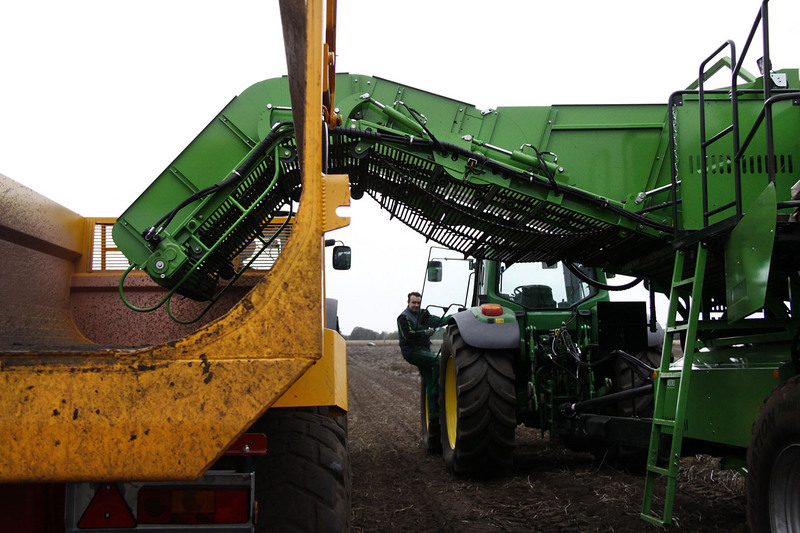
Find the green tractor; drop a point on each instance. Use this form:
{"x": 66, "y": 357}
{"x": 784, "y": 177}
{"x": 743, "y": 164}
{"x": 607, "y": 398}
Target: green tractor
{"x": 545, "y": 346}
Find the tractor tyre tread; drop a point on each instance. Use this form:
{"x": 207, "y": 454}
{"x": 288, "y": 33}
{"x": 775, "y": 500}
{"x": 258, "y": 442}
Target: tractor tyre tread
{"x": 304, "y": 481}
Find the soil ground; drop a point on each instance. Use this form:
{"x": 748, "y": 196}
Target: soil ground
{"x": 397, "y": 486}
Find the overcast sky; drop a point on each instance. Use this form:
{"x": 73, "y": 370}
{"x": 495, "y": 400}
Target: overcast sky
{"x": 98, "y": 96}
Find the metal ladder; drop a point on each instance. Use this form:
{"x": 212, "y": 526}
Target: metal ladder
{"x": 668, "y": 422}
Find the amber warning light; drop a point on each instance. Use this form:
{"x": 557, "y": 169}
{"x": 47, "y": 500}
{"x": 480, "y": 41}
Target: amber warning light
{"x": 491, "y": 309}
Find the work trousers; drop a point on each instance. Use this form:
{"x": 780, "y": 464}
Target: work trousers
{"x": 428, "y": 364}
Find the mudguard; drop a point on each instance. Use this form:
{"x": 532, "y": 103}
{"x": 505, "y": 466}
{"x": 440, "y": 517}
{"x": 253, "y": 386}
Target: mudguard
{"x": 500, "y": 333}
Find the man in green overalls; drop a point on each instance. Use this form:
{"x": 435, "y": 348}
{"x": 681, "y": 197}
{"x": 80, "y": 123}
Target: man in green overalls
{"x": 416, "y": 327}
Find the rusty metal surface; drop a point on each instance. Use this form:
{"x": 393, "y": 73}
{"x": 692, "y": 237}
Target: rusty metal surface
{"x": 167, "y": 412}
{"x": 39, "y": 242}
{"x": 34, "y": 221}
{"x": 100, "y": 314}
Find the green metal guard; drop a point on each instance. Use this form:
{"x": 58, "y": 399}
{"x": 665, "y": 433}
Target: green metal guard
{"x": 188, "y": 258}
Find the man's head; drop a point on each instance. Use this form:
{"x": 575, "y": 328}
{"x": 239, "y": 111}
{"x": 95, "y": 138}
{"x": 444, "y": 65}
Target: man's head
{"x": 414, "y": 299}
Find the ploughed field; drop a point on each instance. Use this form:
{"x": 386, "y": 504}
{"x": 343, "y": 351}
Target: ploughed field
{"x": 397, "y": 486}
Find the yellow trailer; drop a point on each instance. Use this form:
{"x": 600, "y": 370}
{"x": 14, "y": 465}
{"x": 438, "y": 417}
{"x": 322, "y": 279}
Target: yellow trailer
{"x": 115, "y": 405}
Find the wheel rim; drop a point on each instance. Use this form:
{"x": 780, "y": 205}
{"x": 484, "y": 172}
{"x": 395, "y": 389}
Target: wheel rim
{"x": 450, "y": 402}
{"x": 427, "y": 410}
{"x": 784, "y": 490}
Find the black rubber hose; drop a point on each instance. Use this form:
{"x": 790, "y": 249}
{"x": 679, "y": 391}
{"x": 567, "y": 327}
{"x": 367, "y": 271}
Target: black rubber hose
{"x": 151, "y": 234}
{"x": 604, "y": 286}
{"x": 608, "y": 399}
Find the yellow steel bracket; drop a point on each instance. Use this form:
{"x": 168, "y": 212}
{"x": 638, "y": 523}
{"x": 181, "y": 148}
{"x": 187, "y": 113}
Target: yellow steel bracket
{"x": 167, "y": 412}
{"x": 337, "y": 194}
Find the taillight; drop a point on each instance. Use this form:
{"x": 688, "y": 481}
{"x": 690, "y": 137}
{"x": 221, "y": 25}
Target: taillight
{"x": 491, "y": 309}
{"x": 107, "y": 509}
{"x": 193, "y": 506}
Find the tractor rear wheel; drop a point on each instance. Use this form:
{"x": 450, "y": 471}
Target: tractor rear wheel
{"x": 626, "y": 378}
{"x": 303, "y": 483}
{"x": 477, "y": 408}
{"x": 773, "y": 462}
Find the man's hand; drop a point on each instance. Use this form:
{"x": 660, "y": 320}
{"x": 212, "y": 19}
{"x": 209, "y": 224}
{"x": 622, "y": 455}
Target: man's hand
{"x": 429, "y": 332}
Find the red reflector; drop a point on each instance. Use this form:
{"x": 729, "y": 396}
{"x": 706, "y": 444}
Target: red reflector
{"x": 249, "y": 444}
{"x": 491, "y": 309}
{"x": 232, "y": 507}
{"x": 107, "y": 509}
{"x": 193, "y": 506}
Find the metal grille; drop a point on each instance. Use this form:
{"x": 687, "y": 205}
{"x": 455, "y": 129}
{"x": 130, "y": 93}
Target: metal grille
{"x": 221, "y": 264}
{"x": 479, "y": 220}
{"x": 277, "y": 239}
{"x": 105, "y": 254}
{"x": 107, "y": 257}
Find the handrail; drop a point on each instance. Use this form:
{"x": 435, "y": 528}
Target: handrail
{"x": 765, "y": 115}
{"x": 734, "y": 129}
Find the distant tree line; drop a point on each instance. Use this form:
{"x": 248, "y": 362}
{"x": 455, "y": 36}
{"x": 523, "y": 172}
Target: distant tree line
{"x": 366, "y": 334}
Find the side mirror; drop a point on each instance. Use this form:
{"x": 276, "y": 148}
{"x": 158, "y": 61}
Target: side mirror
{"x": 341, "y": 258}
{"x": 434, "y": 271}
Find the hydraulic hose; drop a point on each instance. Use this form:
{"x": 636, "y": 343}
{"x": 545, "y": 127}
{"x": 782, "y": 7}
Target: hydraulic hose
{"x": 604, "y": 286}
{"x": 151, "y": 233}
{"x": 603, "y": 401}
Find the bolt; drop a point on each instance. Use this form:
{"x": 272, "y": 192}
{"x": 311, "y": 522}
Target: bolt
{"x": 159, "y": 264}
{"x": 246, "y": 448}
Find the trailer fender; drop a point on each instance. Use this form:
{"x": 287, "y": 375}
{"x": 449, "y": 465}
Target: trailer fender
{"x": 492, "y": 333}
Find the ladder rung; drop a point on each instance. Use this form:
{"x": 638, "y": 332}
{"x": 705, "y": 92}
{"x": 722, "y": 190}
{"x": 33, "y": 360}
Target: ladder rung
{"x": 659, "y": 470}
{"x": 664, "y": 422}
{"x": 683, "y": 282}
{"x": 679, "y": 327}
{"x": 650, "y": 519}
